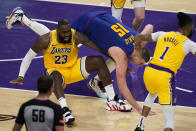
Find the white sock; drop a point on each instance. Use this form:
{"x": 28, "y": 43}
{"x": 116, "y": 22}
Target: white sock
{"x": 142, "y": 119}
{"x": 62, "y": 102}
{"x": 110, "y": 91}
{"x": 111, "y": 66}
{"x": 169, "y": 112}
{"x": 117, "y": 13}
{"x": 38, "y": 28}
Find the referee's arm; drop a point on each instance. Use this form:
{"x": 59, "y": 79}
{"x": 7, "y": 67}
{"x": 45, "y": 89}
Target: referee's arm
{"x": 17, "y": 127}
{"x": 19, "y": 119}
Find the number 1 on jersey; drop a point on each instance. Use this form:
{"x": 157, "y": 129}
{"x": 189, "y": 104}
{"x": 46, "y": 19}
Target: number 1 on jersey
{"x": 164, "y": 53}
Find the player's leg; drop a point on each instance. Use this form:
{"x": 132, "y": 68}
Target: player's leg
{"x": 97, "y": 64}
{"x": 169, "y": 112}
{"x": 95, "y": 83}
{"x": 146, "y": 110}
{"x": 149, "y": 76}
{"x": 117, "y": 8}
{"x": 167, "y": 99}
{"x": 139, "y": 12}
{"x": 18, "y": 16}
{"x": 59, "y": 93}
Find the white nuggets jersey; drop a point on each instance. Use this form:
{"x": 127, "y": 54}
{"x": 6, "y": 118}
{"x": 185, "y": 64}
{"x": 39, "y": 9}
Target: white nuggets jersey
{"x": 60, "y": 55}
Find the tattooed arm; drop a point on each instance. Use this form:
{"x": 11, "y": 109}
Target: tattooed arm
{"x": 140, "y": 38}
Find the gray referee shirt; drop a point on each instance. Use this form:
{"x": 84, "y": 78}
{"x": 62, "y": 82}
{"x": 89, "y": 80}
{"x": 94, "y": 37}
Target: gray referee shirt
{"x": 40, "y": 115}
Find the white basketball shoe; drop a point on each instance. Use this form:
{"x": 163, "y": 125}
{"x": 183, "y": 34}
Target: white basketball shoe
{"x": 15, "y": 16}
{"x": 117, "y": 105}
{"x": 96, "y": 86}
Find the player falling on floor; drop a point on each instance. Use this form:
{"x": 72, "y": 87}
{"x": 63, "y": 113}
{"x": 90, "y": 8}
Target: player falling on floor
{"x": 61, "y": 60}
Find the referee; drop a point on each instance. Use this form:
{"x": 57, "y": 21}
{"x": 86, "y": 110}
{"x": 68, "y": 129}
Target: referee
{"x": 40, "y": 114}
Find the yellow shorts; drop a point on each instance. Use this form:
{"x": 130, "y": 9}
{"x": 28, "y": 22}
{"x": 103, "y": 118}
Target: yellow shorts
{"x": 161, "y": 83}
{"x": 71, "y": 74}
{"x": 118, "y": 4}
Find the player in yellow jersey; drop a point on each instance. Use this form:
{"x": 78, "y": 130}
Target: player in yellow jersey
{"x": 60, "y": 51}
{"x": 138, "y": 8}
{"x": 159, "y": 75}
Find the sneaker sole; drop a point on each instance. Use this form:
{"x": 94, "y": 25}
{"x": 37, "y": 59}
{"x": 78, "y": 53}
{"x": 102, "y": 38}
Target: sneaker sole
{"x": 12, "y": 14}
{"x": 70, "y": 121}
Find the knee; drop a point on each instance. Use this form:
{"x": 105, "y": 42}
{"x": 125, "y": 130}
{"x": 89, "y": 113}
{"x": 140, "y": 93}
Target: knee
{"x": 140, "y": 18}
{"x": 98, "y": 60}
{"x": 57, "y": 77}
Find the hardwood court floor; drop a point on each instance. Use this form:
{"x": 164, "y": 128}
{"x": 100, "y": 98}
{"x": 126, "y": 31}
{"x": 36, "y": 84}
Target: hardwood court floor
{"x": 91, "y": 115}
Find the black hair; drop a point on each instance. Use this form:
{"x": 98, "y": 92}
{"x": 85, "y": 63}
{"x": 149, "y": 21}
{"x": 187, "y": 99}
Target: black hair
{"x": 44, "y": 84}
{"x": 184, "y": 20}
{"x": 63, "y": 22}
{"x": 145, "y": 54}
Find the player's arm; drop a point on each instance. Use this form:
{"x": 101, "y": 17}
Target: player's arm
{"x": 189, "y": 46}
{"x": 139, "y": 39}
{"x": 121, "y": 69}
{"x": 40, "y": 44}
{"x": 83, "y": 39}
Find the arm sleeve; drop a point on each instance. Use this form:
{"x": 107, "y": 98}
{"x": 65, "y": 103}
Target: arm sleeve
{"x": 26, "y": 62}
{"x": 189, "y": 46}
{"x": 157, "y": 35}
{"x": 20, "y": 116}
{"x": 58, "y": 118}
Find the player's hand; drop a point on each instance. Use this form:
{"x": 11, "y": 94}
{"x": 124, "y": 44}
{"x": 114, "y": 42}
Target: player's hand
{"x": 19, "y": 81}
{"x": 152, "y": 113}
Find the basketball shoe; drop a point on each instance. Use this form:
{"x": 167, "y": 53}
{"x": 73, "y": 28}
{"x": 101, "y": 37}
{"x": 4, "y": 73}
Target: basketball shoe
{"x": 67, "y": 115}
{"x": 97, "y": 87}
{"x": 138, "y": 128}
{"x": 117, "y": 105}
{"x": 15, "y": 17}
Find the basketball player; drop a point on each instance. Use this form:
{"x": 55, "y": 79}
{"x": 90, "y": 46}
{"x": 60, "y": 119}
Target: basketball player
{"x": 118, "y": 38}
{"x": 138, "y": 8}
{"x": 40, "y": 113}
{"x": 171, "y": 48}
{"x": 61, "y": 60}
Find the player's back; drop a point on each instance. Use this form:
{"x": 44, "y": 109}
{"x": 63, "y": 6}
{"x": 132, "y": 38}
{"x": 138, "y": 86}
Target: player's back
{"x": 169, "y": 51}
{"x": 106, "y": 31}
{"x": 40, "y": 115}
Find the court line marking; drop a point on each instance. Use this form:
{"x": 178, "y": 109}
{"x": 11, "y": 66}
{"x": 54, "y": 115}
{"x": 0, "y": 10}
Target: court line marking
{"x": 4, "y": 88}
{"x": 103, "y": 5}
{"x": 185, "y": 90}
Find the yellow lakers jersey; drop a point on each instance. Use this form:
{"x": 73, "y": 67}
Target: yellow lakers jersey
{"x": 60, "y": 55}
{"x": 169, "y": 51}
